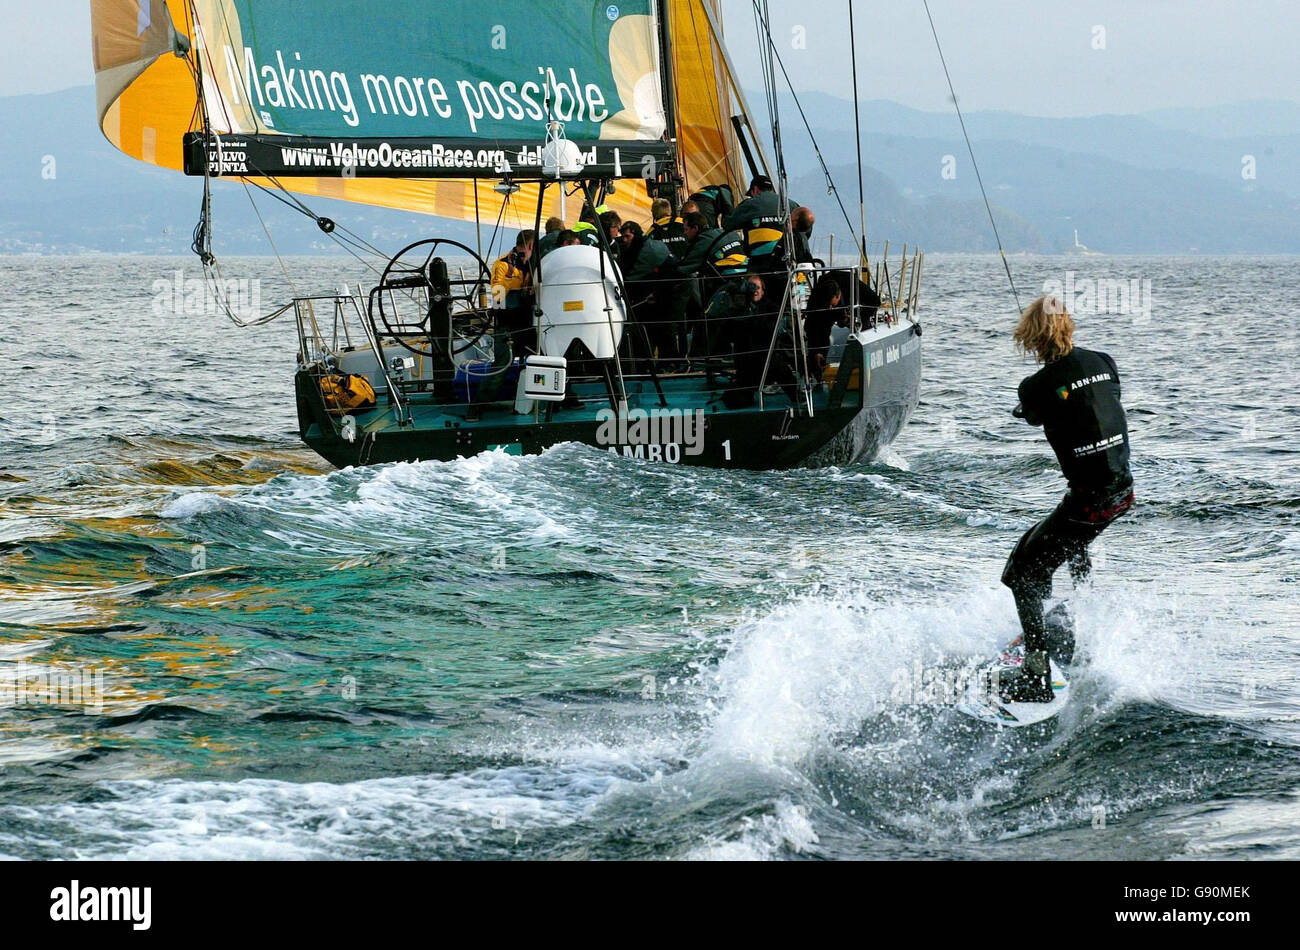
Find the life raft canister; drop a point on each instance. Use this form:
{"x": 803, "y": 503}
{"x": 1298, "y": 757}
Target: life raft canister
{"x": 350, "y": 393}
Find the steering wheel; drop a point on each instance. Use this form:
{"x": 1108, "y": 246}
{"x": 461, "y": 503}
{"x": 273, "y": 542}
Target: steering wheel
{"x": 420, "y": 275}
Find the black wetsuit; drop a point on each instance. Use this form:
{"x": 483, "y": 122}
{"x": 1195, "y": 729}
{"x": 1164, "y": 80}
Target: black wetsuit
{"x": 1076, "y": 399}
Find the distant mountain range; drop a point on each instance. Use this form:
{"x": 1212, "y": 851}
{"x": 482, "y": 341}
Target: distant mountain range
{"x": 1165, "y": 182}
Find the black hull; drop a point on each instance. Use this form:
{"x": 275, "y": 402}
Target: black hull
{"x": 857, "y": 425}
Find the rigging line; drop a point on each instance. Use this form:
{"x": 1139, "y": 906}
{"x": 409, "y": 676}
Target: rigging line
{"x": 225, "y": 19}
{"x": 478, "y": 224}
{"x": 362, "y": 243}
{"x": 216, "y": 282}
{"x": 289, "y": 197}
{"x": 348, "y": 237}
{"x": 215, "y": 285}
{"x": 348, "y": 246}
{"x": 339, "y": 239}
{"x": 201, "y": 238}
{"x": 970, "y": 148}
{"x": 763, "y": 61}
{"x": 293, "y": 201}
{"x": 286, "y": 199}
{"x": 347, "y": 240}
{"x": 270, "y": 240}
{"x": 196, "y": 113}
{"x": 830, "y": 181}
{"x": 778, "y": 143}
{"x": 674, "y": 80}
{"x": 857, "y": 134}
{"x": 201, "y": 103}
{"x": 778, "y": 136}
{"x": 774, "y": 111}
{"x": 496, "y": 231}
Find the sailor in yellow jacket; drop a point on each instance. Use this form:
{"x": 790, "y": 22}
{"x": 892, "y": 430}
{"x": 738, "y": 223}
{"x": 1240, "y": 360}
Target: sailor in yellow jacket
{"x": 512, "y": 300}
{"x": 512, "y": 275}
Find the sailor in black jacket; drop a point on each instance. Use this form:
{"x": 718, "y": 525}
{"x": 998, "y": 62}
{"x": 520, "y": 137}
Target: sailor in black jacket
{"x": 1075, "y": 397}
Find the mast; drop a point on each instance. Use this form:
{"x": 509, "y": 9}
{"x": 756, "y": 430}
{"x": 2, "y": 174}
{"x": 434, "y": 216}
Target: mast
{"x": 671, "y": 131}
{"x": 666, "y": 70}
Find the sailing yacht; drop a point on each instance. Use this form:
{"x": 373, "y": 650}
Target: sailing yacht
{"x": 506, "y": 115}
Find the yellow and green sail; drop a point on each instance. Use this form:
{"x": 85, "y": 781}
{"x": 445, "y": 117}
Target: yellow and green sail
{"x": 421, "y": 106}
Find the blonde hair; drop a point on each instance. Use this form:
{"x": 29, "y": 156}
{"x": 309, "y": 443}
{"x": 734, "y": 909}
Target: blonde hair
{"x": 1046, "y": 330}
{"x": 661, "y": 208}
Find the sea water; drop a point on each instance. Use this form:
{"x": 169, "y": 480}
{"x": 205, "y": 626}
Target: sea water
{"x": 214, "y": 646}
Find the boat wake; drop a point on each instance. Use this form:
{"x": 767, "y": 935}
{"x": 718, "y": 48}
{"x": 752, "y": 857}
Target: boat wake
{"x": 804, "y": 736}
{"x": 748, "y": 704}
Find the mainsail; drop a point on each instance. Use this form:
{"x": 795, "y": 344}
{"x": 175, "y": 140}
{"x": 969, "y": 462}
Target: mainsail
{"x": 370, "y": 102}
{"x": 701, "y": 88}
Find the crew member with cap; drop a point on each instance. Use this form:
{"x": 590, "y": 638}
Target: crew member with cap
{"x": 763, "y": 221}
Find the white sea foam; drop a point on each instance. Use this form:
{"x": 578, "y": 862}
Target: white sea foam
{"x": 261, "y": 819}
{"x": 894, "y": 459}
{"x": 815, "y": 668}
{"x": 786, "y": 829}
{"x": 191, "y": 505}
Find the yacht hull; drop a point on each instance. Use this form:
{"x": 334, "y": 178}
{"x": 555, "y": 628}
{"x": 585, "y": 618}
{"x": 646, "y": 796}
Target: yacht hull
{"x": 864, "y": 415}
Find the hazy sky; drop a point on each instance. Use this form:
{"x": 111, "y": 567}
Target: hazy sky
{"x": 1033, "y": 56}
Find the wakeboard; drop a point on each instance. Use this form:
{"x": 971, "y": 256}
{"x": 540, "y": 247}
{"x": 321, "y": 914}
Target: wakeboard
{"x": 981, "y": 701}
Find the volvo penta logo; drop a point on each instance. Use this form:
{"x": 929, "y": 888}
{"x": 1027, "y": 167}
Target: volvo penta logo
{"x": 612, "y": 12}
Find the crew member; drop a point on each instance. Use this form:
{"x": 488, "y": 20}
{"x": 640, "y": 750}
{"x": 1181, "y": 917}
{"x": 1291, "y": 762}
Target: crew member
{"x": 712, "y": 250}
{"x": 671, "y": 232}
{"x": 714, "y": 202}
{"x": 802, "y": 221}
{"x": 649, "y": 269}
{"x": 763, "y": 221}
{"x": 611, "y": 222}
{"x": 588, "y": 227}
{"x": 550, "y": 240}
{"x": 826, "y": 309}
{"x": 512, "y": 298}
{"x": 739, "y": 318}
{"x": 731, "y": 308}
{"x": 666, "y": 228}
{"x": 711, "y": 257}
{"x": 1075, "y": 397}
